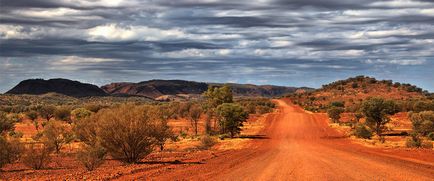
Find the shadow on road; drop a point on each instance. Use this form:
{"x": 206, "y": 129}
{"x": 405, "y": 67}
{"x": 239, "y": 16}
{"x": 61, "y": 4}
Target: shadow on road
{"x": 254, "y": 136}
{"x": 176, "y": 162}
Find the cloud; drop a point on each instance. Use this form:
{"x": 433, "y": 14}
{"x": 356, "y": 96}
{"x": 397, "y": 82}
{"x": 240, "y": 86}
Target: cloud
{"x": 281, "y": 41}
{"x": 397, "y": 62}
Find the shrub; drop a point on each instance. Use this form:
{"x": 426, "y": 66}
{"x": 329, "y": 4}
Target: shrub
{"x": 361, "y": 131}
{"x": 6, "y": 124}
{"x": 231, "y": 118}
{"x": 63, "y": 114}
{"x": 207, "y": 142}
{"x": 56, "y": 135}
{"x": 33, "y": 115}
{"x": 354, "y": 85}
{"x": 93, "y": 107}
{"x": 335, "y": 113}
{"x": 431, "y": 136}
{"x": 337, "y": 104}
{"x": 10, "y": 151}
{"x": 127, "y": 132}
{"x": 47, "y": 112}
{"x": 80, "y": 113}
{"x": 37, "y": 156}
{"x": 91, "y": 156}
{"x": 423, "y": 122}
{"x": 16, "y": 134}
{"x": 415, "y": 141}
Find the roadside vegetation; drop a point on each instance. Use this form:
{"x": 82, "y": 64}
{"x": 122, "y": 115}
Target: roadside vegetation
{"x": 366, "y": 106}
{"x": 92, "y": 130}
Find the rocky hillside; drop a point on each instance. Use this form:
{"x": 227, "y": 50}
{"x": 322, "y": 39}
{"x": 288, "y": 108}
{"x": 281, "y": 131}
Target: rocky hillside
{"x": 61, "y": 86}
{"x": 161, "y": 88}
{"x": 155, "y": 88}
{"x": 354, "y": 90}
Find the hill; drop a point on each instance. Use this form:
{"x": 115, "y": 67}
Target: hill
{"x": 61, "y": 86}
{"x": 162, "y": 88}
{"x": 354, "y": 90}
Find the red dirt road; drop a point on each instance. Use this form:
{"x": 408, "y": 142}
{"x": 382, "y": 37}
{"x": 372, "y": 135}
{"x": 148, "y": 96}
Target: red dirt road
{"x": 301, "y": 146}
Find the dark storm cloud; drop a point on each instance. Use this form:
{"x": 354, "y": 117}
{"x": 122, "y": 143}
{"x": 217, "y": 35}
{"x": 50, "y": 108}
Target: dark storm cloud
{"x": 326, "y": 4}
{"x": 325, "y": 45}
{"x": 256, "y": 41}
{"x": 68, "y": 47}
{"x": 30, "y": 4}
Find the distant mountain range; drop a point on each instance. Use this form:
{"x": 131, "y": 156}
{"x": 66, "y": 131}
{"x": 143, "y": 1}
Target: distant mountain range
{"x": 155, "y": 89}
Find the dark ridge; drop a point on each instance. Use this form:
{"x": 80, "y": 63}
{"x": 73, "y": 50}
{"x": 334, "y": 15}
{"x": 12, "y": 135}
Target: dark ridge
{"x": 61, "y": 86}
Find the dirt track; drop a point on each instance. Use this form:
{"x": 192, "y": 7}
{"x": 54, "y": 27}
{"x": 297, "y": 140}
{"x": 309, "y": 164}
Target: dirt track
{"x": 301, "y": 146}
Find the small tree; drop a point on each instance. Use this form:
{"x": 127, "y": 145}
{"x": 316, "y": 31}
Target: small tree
{"x": 33, "y": 115}
{"x": 231, "y": 118}
{"x": 47, "y": 112}
{"x": 161, "y": 114}
{"x": 377, "y": 111}
{"x": 163, "y": 133}
{"x": 335, "y": 113}
{"x": 194, "y": 116}
{"x": 56, "y": 135}
{"x": 218, "y": 95}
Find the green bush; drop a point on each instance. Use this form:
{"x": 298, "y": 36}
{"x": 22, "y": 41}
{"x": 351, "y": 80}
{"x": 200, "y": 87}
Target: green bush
{"x": 335, "y": 113}
{"x": 423, "y": 122}
{"x": 377, "y": 111}
{"x": 362, "y": 131}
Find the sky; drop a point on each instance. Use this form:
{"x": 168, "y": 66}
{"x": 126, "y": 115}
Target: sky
{"x": 279, "y": 42}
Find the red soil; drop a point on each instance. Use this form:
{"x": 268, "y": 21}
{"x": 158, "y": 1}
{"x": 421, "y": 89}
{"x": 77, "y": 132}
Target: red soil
{"x": 297, "y": 146}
